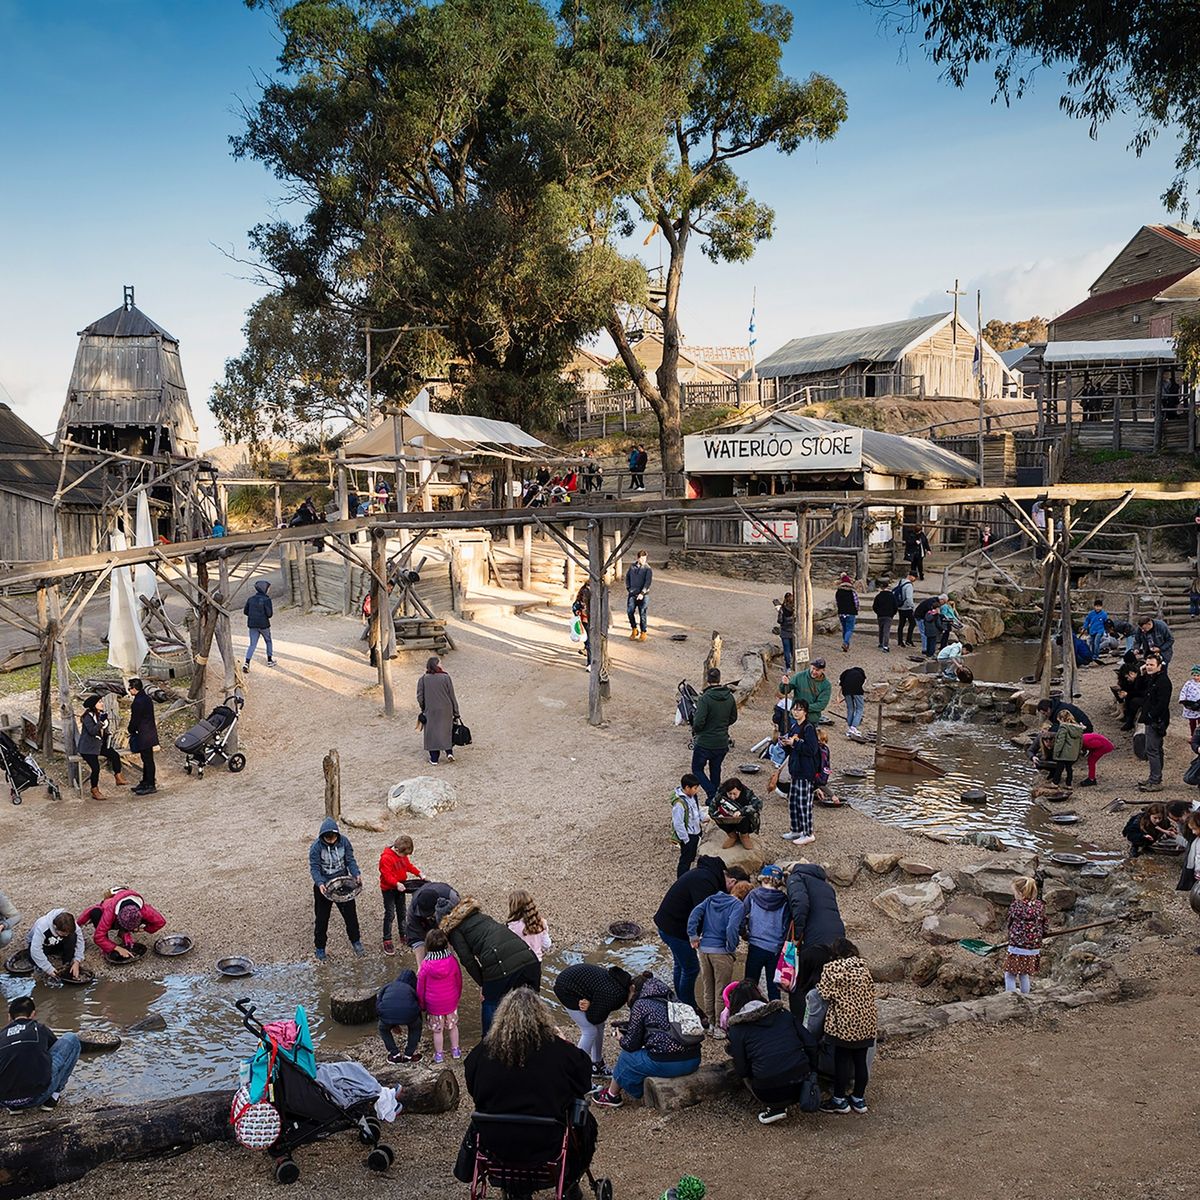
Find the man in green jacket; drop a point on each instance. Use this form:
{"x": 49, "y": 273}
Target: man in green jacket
{"x": 716, "y": 710}
{"x": 812, "y": 687}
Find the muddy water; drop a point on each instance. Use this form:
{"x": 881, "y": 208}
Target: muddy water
{"x": 973, "y": 756}
{"x": 204, "y": 1040}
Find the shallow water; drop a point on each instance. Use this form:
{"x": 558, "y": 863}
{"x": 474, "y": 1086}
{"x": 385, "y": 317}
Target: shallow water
{"x": 204, "y": 1040}
{"x": 973, "y": 756}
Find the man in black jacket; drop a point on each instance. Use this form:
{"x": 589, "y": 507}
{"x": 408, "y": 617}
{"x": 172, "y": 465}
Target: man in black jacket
{"x": 885, "y": 608}
{"x": 34, "y": 1064}
{"x": 143, "y": 736}
{"x": 638, "y": 579}
{"x": 709, "y": 876}
{"x": 815, "y": 917}
{"x": 1156, "y": 714}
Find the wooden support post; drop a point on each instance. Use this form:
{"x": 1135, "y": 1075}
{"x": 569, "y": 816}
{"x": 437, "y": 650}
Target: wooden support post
{"x": 344, "y": 513}
{"x": 569, "y": 572}
{"x": 45, "y": 725}
{"x": 1045, "y": 663}
{"x": 712, "y": 660}
{"x": 804, "y": 601}
{"x": 224, "y": 635}
{"x": 619, "y": 562}
{"x": 206, "y": 631}
{"x": 599, "y": 615}
{"x": 381, "y": 614}
{"x": 526, "y": 557}
{"x": 303, "y": 582}
{"x": 62, "y": 669}
{"x": 1065, "y": 624}
{"x": 332, "y": 766}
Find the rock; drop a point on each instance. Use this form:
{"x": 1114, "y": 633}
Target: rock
{"x": 944, "y": 880}
{"x": 986, "y": 841}
{"x": 911, "y": 866}
{"x": 993, "y": 879}
{"x": 900, "y": 1019}
{"x": 362, "y": 821}
{"x": 1058, "y": 897}
{"x": 1083, "y": 952}
{"x": 966, "y": 979}
{"x": 1158, "y": 923}
{"x": 943, "y": 928}
{"x": 989, "y": 624}
{"x": 750, "y": 859}
{"x": 924, "y": 967}
{"x": 910, "y": 902}
{"x": 881, "y": 864}
{"x": 974, "y": 908}
{"x": 421, "y": 796}
{"x": 844, "y": 872}
{"x": 890, "y": 970}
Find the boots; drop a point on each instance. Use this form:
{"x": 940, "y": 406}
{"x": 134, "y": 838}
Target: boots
{"x": 731, "y": 840}
{"x": 96, "y": 795}
{"x": 119, "y": 779}
{"x": 744, "y": 838}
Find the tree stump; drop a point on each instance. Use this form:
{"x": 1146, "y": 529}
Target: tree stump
{"x": 353, "y": 1006}
{"x": 712, "y": 661}
{"x": 665, "y": 1095}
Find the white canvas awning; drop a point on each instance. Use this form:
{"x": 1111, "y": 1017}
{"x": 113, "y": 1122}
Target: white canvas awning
{"x": 445, "y": 432}
{"x": 1132, "y": 350}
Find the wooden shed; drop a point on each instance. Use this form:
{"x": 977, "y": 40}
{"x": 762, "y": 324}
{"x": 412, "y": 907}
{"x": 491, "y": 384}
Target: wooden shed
{"x": 29, "y": 476}
{"x": 127, "y": 391}
{"x": 922, "y": 357}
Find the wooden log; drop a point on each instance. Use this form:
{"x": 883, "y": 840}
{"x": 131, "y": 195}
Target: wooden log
{"x": 332, "y": 767}
{"x": 353, "y": 1005}
{"x": 712, "y": 660}
{"x": 40, "y": 1154}
{"x": 717, "y": 1079}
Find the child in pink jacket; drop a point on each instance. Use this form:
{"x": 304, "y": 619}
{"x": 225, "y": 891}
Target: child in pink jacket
{"x": 117, "y": 918}
{"x": 439, "y": 989}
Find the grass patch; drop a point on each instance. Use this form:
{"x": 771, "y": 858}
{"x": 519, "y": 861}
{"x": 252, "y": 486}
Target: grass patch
{"x": 26, "y": 680}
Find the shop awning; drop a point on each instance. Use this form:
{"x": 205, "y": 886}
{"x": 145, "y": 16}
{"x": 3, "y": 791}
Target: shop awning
{"x": 1120, "y": 350}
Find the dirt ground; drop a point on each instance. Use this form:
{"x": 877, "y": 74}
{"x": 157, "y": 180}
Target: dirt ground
{"x": 1087, "y": 1103}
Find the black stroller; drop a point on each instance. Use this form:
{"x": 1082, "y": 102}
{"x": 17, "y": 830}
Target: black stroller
{"x": 21, "y": 771}
{"x": 685, "y": 702}
{"x": 205, "y": 741}
{"x": 307, "y": 1111}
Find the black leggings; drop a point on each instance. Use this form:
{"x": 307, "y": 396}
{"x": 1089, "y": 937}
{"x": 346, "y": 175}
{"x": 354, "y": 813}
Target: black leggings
{"x": 322, "y": 907}
{"x": 847, "y": 1055}
{"x": 907, "y": 620}
{"x": 1056, "y": 772}
{"x": 93, "y": 761}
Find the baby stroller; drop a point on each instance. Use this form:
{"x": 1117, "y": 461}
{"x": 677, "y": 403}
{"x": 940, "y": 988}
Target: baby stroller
{"x": 685, "y": 703}
{"x": 206, "y": 739}
{"x": 494, "y": 1165}
{"x": 307, "y": 1111}
{"x": 21, "y": 770}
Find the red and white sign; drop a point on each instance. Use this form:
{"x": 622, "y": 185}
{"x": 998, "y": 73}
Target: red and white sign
{"x": 785, "y": 529}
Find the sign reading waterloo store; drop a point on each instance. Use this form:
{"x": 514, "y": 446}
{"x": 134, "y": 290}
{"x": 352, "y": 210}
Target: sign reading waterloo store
{"x": 766, "y": 453}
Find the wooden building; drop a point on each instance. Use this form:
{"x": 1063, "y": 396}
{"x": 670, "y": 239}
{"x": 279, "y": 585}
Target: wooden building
{"x": 920, "y": 357}
{"x": 1142, "y": 292}
{"x": 693, "y": 368}
{"x": 29, "y": 478}
{"x": 127, "y": 392}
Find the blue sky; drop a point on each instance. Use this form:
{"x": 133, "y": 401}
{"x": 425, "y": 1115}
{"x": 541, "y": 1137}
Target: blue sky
{"x": 116, "y": 169}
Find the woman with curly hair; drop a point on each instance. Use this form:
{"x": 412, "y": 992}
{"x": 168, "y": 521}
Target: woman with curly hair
{"x": 522, "y": 1067}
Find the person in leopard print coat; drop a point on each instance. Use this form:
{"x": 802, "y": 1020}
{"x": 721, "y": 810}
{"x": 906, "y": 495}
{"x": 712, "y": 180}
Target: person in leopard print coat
{"x": 851, "y": 1024}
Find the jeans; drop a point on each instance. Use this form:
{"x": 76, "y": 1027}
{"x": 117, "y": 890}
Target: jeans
{"x": 1094, "y": 641}
{"x": 759, "y": 960}
{"x": 496, "y": 989}
{"x": 848, "y": 1056}
{"x": 394, "y": 904}
{"x": 706, "y": 766}
{"x": 789, "y": 651}
{"x": 855, "y": 706}
{"x": 716, "y": 972}
{"x": 634, "y": 1067}
{"x": 148, "y": 775}
{"x": 255, "y": 634}
{"x": 908, "y": 620}
{"x": 591, "y": 1037}
{"x": 64, "y": 1054}
{"x": 929, "y": 639}
{"x": 687, "y": 967}
{"x": 635, "y": 609}
{"x": 322, "y": 906}
{"x": 687, "y": 854}
{"x": 847, "y": 622}
{"x": 410, "y": 1045}
{"x": 1193, "y": 604}
{"x": 1154, "y": 753}
{"x": 885, "y": 632}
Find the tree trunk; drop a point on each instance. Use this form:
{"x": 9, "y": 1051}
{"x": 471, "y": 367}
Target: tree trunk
{"x": 665, "y": 1095}
{"x": 36, "y": 1155}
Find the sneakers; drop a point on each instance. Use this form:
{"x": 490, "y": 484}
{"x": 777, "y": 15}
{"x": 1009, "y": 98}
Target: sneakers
{"x": 438, "y": 1056}
{"x": 456, "y": 1053}
{"x": 404, "y": 1058}
{"x": 603, "y": 1098}
{"x": 771, "y": 1115}
{"x": 858, "y": 1105}
{"x": 835, "y": 1104}
{"x": 1150, "y": 785}
{"x": 358, "y": 949}
{"x": 50, "y": 1103}
{"x": 805, "y": 839}
{"x": 142, "y": 791}
{"x": 272, "y": 663}
{"x": 600, "y": 1071}
{"x": 1087, "y": 783}
{"x": 319, "y": 955}
{"x": 246, "y": 665}
{"x": 389, "y": 947}
{"x": 449, "y": 756}
{"x": 790, "y": 836}
{"x": 717, "y": 1033}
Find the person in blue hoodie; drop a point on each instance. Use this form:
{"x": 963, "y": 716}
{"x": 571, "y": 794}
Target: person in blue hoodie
{"x": 398, "y": 1008}
{"x": 715, "y": 928}
{"x": 331, "y": 857}
{"x": 258, "y": 611}
{"x": 767, "y": 917}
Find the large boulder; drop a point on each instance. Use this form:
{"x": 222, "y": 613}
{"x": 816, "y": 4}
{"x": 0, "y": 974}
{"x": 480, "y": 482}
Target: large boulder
{"x": 944, "y": 928}
{"x": 750, "y": 859}
{"x": 881, "y": 864}
{"x": 974, "y": 908}
{"x": 993, "y": 879}
{"x": 422, "y": 796}
{"x": 910, "y": 903}
{"x": 924, "y": 967}
{"x": 1058, "y": 896}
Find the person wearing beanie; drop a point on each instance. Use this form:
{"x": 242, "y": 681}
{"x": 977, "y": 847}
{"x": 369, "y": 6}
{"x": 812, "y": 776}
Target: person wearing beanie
{"x": 846, "y": 599}
{"x": 591, "y": 994}
{"x": 143, "y": 736}
{"x": 117, "y": 918}
{"x": 423, "y": 914}
{"x": 95, "y": 743}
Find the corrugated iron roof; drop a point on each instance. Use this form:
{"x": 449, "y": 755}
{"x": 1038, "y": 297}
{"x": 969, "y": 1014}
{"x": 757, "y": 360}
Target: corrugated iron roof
{"x": 884, "y": 453}
{"x": 1177, "y": 236}
{"x": 127, "y": 322}
{"x": 36, "y": 472}
{"x": 1116, "y": 350}
{"x": 1119, "y": 297}
{"x": 829, "y": 351}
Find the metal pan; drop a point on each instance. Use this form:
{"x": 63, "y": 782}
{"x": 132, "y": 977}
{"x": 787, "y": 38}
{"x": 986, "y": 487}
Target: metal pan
{"x": 19, "y": 963}
{"x": 172, "y": 945}
{"x": 343, "y": 889}
{"x": 236, "y": 966}
{"x": 1068, "y": 860}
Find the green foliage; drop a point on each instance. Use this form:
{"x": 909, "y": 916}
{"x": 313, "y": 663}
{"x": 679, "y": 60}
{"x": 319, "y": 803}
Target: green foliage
{"x": 1187, "y": 348}
{"x": 1136, "y": 57}
{"x": 1008, "y": 335}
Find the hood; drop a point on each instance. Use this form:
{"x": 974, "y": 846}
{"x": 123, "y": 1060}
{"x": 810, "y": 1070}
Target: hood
{"x": 813, "y": 869}
{"x": 457, "y": 915}
{"x": 769, "y": 899}
{"x": 757, "y": 1010}
{"x": 409, "y": 977}
{"x": 654, "y": 989}
{"x": 262, "y": 586}
{"x": 718, "y": 689}
{"x": 714, "y": 866}
{"x": 329, "y": 825}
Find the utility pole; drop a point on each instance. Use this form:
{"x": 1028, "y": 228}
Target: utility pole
{"x": 979, "y": 356}
{"x": 955, "y": 293}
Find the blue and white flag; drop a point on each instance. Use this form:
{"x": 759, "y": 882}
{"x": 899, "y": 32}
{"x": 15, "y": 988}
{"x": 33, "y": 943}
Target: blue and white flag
{"x": 753, "y": 335}
{"x": 977, "y": 359}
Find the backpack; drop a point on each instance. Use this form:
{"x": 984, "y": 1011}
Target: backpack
{"x": 686, "y": 1027}
{"x": 898, "y": 594}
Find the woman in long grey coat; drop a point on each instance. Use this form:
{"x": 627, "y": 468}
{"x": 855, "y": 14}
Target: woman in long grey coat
{"x": 439, "y": 710}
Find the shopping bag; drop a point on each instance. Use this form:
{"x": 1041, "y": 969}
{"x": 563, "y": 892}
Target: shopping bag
{"x": 787, "y": 968}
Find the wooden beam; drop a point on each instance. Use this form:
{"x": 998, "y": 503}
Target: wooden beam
{"x": 225, "y": 638}
{"x": 526, "y": 557}
{"x": 381, "y": 614}
{"x": 331, "y": 765}
{"x": 66, "y": 712}
{"x": 598, "y": 614}
{"x": 1066, "y": 625}
{"x": 81, "y": 604}
{"x": 45, "y": 726}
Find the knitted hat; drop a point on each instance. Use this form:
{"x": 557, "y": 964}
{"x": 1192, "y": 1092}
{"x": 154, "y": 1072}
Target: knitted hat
{"x": 129, "y": 914}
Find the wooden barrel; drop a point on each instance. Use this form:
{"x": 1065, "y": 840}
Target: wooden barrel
{"x": 353, "y": 1006}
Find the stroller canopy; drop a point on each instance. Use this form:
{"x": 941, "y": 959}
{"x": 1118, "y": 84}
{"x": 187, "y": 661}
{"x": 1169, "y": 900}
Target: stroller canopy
{"x": 300, "y": 1053}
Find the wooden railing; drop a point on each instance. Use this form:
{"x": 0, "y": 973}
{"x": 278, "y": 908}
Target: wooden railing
{"x": 613, "y": 409}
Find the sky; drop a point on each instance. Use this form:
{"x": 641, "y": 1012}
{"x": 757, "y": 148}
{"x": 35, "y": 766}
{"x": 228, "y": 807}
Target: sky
{"x": 115, "y": 169}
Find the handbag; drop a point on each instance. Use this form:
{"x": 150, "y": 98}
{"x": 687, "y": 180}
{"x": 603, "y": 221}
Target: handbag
{"x": 255, "y": 1126}
{"x": 787, "y": 968}
{"x": 1139, "y": 740}
{"x": 810, "y": 1093}
{"x": 686, "y": 1027}
{"x": 460, "y": 735}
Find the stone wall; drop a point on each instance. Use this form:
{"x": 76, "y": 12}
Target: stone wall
{"x": 763, "y": 566}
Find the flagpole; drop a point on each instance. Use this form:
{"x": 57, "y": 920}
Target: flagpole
{"x": 753, "y": 335}
{"x": 979, "y": 352}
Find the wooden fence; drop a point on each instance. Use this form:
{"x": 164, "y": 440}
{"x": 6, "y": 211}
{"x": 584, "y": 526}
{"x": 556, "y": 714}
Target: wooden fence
{"x": 598, "y": 414}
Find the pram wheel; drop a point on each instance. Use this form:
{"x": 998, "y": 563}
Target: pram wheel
{"x": 16, "y": 796}
{"x": 286, "y": 1171}
{"x": 187, "y": 768}
{"x": 603, "y": 1189}
{"x": 53, "y": 789}
{"x": 381, "y": 1158}
{"x": 370, "y": 1134}
{"x": 199, "y": 772}
{"x": 237, "y": 762}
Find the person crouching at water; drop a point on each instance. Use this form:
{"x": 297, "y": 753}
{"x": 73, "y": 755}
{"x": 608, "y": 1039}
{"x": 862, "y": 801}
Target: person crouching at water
{"x": 736, "y": 810}
{"x": 1026, "y": 925}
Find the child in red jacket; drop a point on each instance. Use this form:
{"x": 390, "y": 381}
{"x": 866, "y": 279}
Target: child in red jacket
{"x": 394, "y": 868}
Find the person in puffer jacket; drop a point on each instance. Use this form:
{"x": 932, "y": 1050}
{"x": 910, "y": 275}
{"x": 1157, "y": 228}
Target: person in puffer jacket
{"x": 258, "y": 612}
{"x": 117, "y": 917}
{"x": 814, "y": 912}
{"x": 649, "y": 1049}
{"x": 768, "y": 1050}
{"x": 766, "y": 925}
{"x": 714, "y": 929}
{"x": 851, "y": 1024}
{"x": 497, "y": 959}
